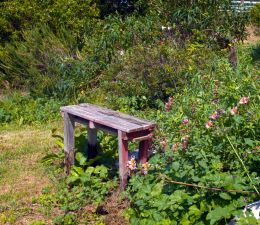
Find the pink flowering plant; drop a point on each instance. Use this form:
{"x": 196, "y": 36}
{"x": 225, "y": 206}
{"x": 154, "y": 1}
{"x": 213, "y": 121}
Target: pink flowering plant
{"x": 206, "y": 168}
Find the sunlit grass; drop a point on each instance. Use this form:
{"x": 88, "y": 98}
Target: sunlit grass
{"x": 22, "y": 176}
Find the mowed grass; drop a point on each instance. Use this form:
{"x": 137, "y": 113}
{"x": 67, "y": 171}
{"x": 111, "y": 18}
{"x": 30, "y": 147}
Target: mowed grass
{"x": 22, "y": 176}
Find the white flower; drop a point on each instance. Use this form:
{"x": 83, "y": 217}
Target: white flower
{"x": 163, "y": 27}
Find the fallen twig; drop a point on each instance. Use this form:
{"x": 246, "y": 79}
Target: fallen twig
{"x": 204, "y": 187}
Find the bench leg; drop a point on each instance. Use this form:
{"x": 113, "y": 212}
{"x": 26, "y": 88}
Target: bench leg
{"x": 69, "y": 126}
{"x": 123, "y": 159}
{"x": 92, "y": 142}
{"x": 143, "y": 150}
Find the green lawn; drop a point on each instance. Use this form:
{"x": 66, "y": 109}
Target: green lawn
{"x": 22, "y": 176}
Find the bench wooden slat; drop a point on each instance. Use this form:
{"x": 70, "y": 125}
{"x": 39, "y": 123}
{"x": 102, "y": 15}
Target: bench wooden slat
{"x": 107, "y": 117}
{"x": 100, "y": 119}
{"x": 127, "y": 117}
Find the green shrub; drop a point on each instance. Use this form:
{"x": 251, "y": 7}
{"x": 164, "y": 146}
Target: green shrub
{"x": 86, "y": 184}
{"x": 195, "y": 155}
{"x": 153, "y": 72}
{"x": 20, "y": 109}
{"x": 46, "y": 64}
{"x": 255, "y": 15}
{"x": 75, "y": 15}
{"x": 215, "y": 19}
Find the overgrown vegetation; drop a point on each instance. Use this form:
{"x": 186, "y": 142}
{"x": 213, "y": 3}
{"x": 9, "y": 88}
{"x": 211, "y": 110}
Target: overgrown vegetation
{"x": 178, "y": 63}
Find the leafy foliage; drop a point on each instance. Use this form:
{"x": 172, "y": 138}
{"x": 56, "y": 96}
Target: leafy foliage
{"x": 15, "y": 108}
{"x": 153, "y": 72}
{"x": 255, "y": 15}
{"x": 85, "y": 184}
{"x": 132, "y": 57}
{"x": 16, "y": 16}
{"x": 196, "y": 158}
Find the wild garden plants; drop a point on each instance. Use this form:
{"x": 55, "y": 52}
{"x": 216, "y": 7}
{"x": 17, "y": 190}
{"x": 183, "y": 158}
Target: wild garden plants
{"x": 165, "y": 61}
{"x": 205, "y": 163}
{"x": 207, "y": 166}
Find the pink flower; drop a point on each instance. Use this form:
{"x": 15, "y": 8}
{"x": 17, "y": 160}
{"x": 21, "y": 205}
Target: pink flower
{"x": 163, "y": 144}
{"x": 168, "y": 105}
{"x": 170, "y": 99}
{"x": 175, "y": 146}
{"x": 209, "y": 124}
{"x": 185, "y": 144}
{"x": 233, "y": 111}
{"x": 244, "y": 100}
{"x": 214, "y": 116}
{"x": 185, "y": 121}
{"x": 132, "y": 163}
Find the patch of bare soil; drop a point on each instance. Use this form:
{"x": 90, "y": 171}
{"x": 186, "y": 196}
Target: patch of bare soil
{"x": 113, "y": 209}
{"x": 252, "y": 35}
{"x": 33, "y": 215}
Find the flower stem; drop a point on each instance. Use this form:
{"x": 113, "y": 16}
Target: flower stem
{"x": 245, "y": 169}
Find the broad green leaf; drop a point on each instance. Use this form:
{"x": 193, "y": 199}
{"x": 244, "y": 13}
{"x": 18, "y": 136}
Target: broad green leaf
{"x": 176, "y": 166}
{"x": 79, "y": 170}
{"x": 249, "y": 142}
{"x": 218, "y": 214}
{"x": 157, "y": 189}
{"x": 72, "y": 179}
{"x": 225, "y": 196}
{"x": 81, "y": 158}
{"x": 193, "y": 210}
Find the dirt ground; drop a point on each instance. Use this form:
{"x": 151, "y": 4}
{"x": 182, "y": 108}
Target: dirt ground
{"x": 252, "y": 36}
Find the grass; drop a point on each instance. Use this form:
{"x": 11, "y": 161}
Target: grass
{"x": 22, "y": 176}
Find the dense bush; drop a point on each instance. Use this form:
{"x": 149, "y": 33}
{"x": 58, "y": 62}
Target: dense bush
{"x": 154, "y": 71}
{"x": 76, "y": 15}
{"x": 61, "y": 48}
{"x": 15, "y": 108}
{"x": 204, "y": 168}
{"x": 46, "y": 64}
{"x": 255, "y": 15}
{"x": 204, "y": 142}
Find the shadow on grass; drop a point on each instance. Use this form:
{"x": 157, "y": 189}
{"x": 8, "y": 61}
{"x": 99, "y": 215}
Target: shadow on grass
{"x": 256, "y": 54}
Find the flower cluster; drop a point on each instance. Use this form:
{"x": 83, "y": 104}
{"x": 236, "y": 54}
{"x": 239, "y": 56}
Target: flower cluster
{"x": 214, "y": 116}
{"x": 209, "y": 124}
{"x": 175, "y": 146}
{"x": 145, "y": 167}
{"x": 163, "y": 144}
{"x": 168, "y": 105}
{"x": 233, "y": 111}
{"x": 185, "y": 143}
{"x": 131, "y": 164}
{"x": 242, "y": 101}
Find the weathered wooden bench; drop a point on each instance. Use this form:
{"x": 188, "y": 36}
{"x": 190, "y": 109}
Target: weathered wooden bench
{"x": 125, "y": 127}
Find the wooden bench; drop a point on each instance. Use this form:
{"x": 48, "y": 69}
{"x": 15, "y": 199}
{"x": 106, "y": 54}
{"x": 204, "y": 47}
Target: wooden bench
{"x": 125, "y": 127}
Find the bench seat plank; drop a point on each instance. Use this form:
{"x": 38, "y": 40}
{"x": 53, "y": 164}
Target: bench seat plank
{"x": 107, "y": 117}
